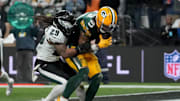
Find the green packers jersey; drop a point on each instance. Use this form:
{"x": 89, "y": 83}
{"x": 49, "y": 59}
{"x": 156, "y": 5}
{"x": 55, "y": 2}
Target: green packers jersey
{"x": 87, "y": 24}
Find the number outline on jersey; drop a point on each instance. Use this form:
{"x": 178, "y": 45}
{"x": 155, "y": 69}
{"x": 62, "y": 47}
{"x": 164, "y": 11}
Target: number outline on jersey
{"x": 54, "y": 32}
{"x": 91, "y": 23}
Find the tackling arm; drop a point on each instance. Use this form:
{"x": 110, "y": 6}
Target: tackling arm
{"x": 64, "y": 51}
{"x": 69, "y": 52}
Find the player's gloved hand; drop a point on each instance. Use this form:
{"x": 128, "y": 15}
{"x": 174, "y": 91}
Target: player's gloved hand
{"x": 103, "y": 43}
{"x": 83, "y": 48}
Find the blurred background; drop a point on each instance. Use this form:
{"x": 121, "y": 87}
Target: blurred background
{"x": 145, "y": 43}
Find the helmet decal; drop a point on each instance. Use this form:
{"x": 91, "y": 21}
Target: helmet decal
{"x": 103, "y": 14}
{"x": 113, "y": 15}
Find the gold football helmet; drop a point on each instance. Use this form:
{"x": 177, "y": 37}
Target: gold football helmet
{"x": 106, "y": 19}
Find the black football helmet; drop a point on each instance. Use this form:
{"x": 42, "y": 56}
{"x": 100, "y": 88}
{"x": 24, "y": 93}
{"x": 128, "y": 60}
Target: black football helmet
{"x": 64, "y": 20}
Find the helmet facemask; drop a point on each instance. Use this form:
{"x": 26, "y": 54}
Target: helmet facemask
{"x": 107, "y": 29}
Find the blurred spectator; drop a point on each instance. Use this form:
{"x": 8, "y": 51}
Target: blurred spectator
{"x": 121, "y": 8}
{"x": 24, "y": 1}
{"x": 134, "y": 10}
{"x": 155, "y": 9}
{"x": 171, "y": 31}
{"x": 4, "y": 29}
{"x": 75, "y": 6}
{"x": 60, "y": 4}
{"x": 112, "y": 3}
{"x": 176, "y": 23}
{"x": 165, "y": 28}
{"x": 169, "y": 6}
{"x": 3, "y": 14}
{"x": 4, "y": 25}
{"x": 25, "y": 45}
{"x": 40, "y": 5}
{"x": 91, "y": 5}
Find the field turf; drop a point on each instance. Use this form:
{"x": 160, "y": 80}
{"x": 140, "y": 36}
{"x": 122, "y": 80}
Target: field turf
{"x": 35, "y": 94}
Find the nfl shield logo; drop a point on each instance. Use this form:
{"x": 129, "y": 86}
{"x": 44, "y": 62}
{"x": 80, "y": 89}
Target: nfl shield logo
{"x": 172, "y": 65}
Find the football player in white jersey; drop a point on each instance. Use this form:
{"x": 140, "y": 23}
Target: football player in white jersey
{"x": 4, "y": 29}
{"x": 51, "y": 47}
{"x": 4, "y": 75}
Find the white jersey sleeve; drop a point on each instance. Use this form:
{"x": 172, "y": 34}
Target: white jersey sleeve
{"x": 54, "y": 35}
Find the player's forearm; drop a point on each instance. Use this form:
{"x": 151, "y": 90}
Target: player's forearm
{"x": 65, "y": 52}
{"x": 70, "y": 52}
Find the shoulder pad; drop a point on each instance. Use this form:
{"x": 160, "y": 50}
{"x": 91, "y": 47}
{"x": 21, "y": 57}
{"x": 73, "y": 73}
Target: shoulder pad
{"x": 54, "y": 35}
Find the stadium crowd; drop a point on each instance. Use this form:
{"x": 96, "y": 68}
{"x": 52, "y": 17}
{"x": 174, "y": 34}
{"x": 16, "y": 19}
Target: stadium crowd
{"x": 148, "y": 15}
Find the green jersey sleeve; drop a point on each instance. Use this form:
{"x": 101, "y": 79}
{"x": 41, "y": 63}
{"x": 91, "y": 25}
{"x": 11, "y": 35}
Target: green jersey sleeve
{"x": 87, "y": 24}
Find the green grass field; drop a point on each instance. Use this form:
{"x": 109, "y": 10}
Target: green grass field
{"x": 30, "y": 94}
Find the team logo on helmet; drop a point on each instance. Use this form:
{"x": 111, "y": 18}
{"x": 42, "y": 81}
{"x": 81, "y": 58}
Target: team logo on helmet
{"x": 103, "y": 14}
{"x": 172, "y": 65}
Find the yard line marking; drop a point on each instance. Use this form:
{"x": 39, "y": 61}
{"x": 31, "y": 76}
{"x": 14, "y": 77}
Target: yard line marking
{"x": 133, "y": 94}
{"x": 170, "y": 100}
{"x": 138, "y": 86}
{"x": 101, "y": 86}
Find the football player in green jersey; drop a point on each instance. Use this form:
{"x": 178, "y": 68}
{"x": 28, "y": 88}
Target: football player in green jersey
{"x": 95, "y": 29}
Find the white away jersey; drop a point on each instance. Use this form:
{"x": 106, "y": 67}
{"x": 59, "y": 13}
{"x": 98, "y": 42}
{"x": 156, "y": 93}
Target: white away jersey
{"x": 46, "y": 51}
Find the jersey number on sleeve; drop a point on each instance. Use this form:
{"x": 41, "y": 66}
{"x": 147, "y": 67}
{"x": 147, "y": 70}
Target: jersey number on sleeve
{"x": 91, "y": 23}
